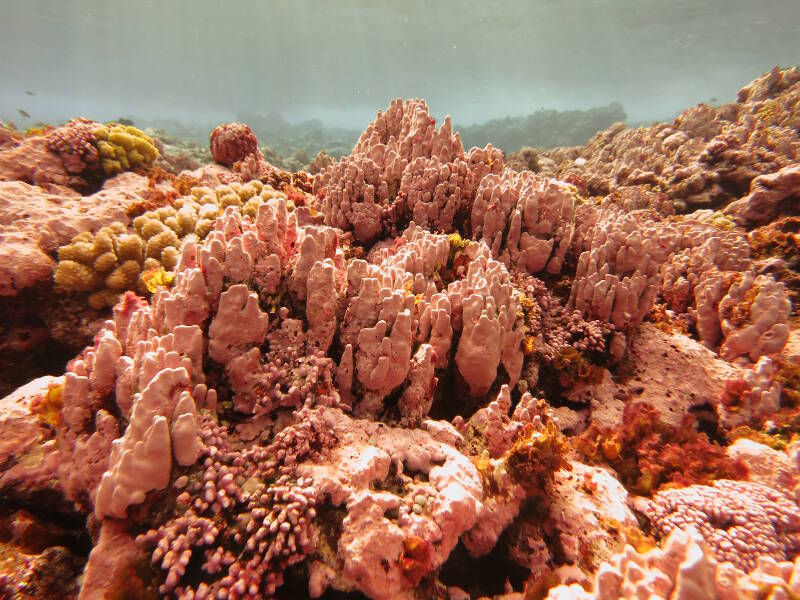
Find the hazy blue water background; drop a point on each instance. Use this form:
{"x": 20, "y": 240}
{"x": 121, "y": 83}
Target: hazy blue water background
{"x": 205, "y": 61}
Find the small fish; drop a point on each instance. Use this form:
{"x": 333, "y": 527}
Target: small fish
{"x": 30, "y": 93}
{"x": 23, "y": 113}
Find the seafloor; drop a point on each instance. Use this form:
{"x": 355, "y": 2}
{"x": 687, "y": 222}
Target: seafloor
{"x": 415, "y": 372}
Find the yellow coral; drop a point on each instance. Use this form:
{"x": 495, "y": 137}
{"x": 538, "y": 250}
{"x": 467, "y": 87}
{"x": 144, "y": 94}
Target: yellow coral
{"x": 124, "y": 147}
{"x": 186, "y": 219}
{"x": 169, "y": 257}
{"x": 130, "y": 248}
{"x": 251, "y": 208}
{"x": 103, "y": 298}
{"x": 76, "y": 277}
{"x": 105, "y": 262}
{"x": 247, "y": 191}
{"x": 81, "y": 252}
{"x": 48, "y": 406}
{"x": 203, "y": 227}
{"x": 152, "y": 228}
{"x": 156, "y": 278}
{"x": 208, "y": 212}
{"x": 165, "y": 212}
{"x": 172, "y": 223}
{"x": 116, "y": 259}
{"x": 157, "y": 243}
{"x": 125, "y": 276}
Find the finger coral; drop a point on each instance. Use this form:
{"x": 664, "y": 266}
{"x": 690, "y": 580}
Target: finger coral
{"x": 124, "y": 147}
{"x": 432, "y": 377}
{"x": 402, "y": 168}
{"x": 683, "y": 568}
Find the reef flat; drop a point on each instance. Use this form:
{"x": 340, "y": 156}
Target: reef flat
{"x": 417, "y": 371}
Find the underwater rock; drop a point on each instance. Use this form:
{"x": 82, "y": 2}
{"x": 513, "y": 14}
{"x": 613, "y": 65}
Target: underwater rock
{"x": 29, "y": 456}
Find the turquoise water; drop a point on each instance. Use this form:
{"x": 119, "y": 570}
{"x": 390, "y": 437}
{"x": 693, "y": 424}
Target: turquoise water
{"x": 206, "y": 61}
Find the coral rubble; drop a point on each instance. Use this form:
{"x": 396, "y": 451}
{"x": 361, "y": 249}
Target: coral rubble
{"x": 370, "y": 380}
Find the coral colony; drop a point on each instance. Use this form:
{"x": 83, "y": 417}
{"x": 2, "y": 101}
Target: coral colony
{"x": 421, "y": 372}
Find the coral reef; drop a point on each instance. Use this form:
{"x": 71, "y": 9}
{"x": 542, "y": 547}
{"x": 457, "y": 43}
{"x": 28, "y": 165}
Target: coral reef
{"x": 79, "y": 154}
{"x": 739, "y": 521}
{"x": 683, "y": 569}
{"x": 416, "y": 373}
{"x": 116, "y": 259}
{"x": 647, "y": 454}
{"x": 706, "y": 156}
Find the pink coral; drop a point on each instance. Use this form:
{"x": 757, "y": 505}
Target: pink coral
{"x": 739, "y": 520}
{"x": 705, "y": 157}
{"x": 273, "y": 406}
{"x": 766, "y": 192}
{"x": 234, "y": 505}
{"x": 233, "y": 142}
{"x": 683, "y": 568}
{"x": 526, "y": 220}
{"x": 76, "y": 145}
{"x": 402, "y": 167}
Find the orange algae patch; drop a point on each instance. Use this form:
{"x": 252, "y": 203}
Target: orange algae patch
{"x": 415, "y": 559}
{"x": 155, "y": 278}
{"x": 184, "y": 183}
{"x": 572, "y": 366}
{"x": 295, "y": 195}
{"x": 788, "y": 376}
{"x": 48, "y": 406}
{"x": 538, "y": 586}
{"x": 781, "y": 239}
{"x": 536, "y": 455}
{"x": 659, "y": 317}
{"x": 36, "y": 131}
{"x": 649, "y": 455}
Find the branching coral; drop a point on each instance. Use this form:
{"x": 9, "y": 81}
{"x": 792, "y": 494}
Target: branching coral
{"x": 527, "y": 221}
{"x": 265, "y": 415}
{"x": 683, "y": 568}
{"x": 402, "y": 168}
{"x": 245, "y": 499}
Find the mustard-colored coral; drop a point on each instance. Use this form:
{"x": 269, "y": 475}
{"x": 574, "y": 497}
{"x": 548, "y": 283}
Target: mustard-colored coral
{"x": 124, "y": 277}
{"x": 72, "y": 275}
{"x": 124, "y": 147}
{"x": 114, "y": 259}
